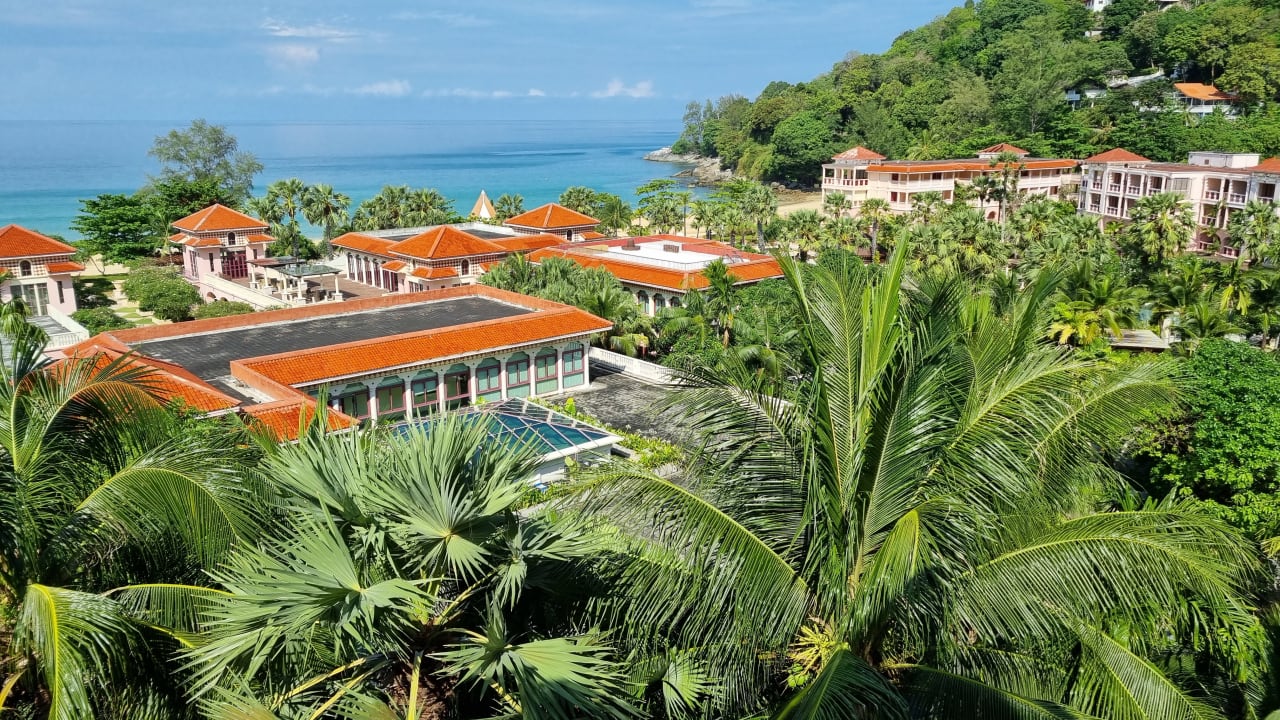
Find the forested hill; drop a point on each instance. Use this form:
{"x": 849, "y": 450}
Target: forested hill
{"x": 996, "y": 71}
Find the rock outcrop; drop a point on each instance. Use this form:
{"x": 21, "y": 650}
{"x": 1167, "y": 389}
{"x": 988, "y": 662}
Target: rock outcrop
{"x": 701, "y": 170}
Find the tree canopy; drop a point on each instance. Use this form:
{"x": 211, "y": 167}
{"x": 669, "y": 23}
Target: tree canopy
{"x": 203, "y": 153}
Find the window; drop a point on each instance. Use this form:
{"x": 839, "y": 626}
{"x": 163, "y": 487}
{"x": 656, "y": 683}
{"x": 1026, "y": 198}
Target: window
{"x": 426, "y": 391}
{"x": 518, "y": 370}
{"x": 573, "y": 361}
{"x": 231, "y": 238}
{"x": 457, "y": 390}
{"x": 24, "y": 268}
{"x": 487, "y": 376}
{"x": 210, "y": 262}
{"x": 545, "y": 365}
{"x": 466, "y": 268}
{"x": 391, "y": 399}
{"x": 62, "y": 298}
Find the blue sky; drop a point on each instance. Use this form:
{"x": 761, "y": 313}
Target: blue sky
{"x": 323, "y": 61}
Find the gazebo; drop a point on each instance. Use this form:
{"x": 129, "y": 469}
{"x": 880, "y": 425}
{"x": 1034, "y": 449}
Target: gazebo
{"x": 291, "y": 279}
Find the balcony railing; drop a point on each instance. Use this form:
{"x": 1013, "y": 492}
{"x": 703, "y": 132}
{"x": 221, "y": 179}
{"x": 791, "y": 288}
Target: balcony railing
{"x": 1212, "y": 195}
{"x": 1095, "y": 209}
{"x": 1133, "y": 190}
{"x": 1114, "y": 187}
{"x": 1236, "y": 198}
{"x": 843, "y": 182}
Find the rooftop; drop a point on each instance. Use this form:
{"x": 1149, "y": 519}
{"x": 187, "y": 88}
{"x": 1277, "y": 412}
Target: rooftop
{"x": 552, "y": 217}
{"x": 1116, "y": 155}
{"x": 858, "y": 153}
{"x": 209, "y": 354}
{"x": 218, "y": 217}
{"x": 17, "y": 242}
{"x": 1200, "y": 91}
{"x": 665, "y": 261}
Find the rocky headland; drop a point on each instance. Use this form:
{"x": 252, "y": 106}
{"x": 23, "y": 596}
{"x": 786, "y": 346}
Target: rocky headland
{"x": 704, "y": 171}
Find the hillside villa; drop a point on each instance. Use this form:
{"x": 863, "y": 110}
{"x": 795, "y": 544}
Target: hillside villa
{"x": 39, "y": 271}
{"x": 659, "y": 270}
{"x": 1215, "y": 185}
{"x": 386, "y": 360}
{"x": 861, "y": 174}
{"x": 1200, "y": 99}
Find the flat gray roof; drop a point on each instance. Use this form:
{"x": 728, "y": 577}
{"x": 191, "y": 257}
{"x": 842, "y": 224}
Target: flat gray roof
{"x": 209, "y": 355}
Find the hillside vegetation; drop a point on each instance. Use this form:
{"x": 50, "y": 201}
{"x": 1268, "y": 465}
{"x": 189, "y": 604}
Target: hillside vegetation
{"x": 996, "y": 71}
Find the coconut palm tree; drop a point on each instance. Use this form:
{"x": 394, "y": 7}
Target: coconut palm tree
{"x": 1255, "y": 230}
{"x": 402, "y": 577}
{"x": 579, "y": 198}
{"x": 106, "y": 500}
{"x": 326, "y": 207}
{"x": 903, "y": 531}
{"x": 266, "y": 208}
{"x": 1187, "y": 282}
{"x": 508, "y": 206}
{"x": 1204, "y": 320}
{"x": 926, "y": 147}
{"x": 291, "y": 194}
{"x": 427, "y": 206}
{"x": 758, "y": 204}
{"x": 875, "y": 212}
{"x": 926, "y": 207}
{"x": 702, "y": 214}
{"x": 1162, "y": 225}
{"x": 1116, "y": 304}
{"x": 614, "y": 214}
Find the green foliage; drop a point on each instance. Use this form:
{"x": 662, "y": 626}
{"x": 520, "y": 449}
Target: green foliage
{"x": 100, "y": 319}
{"x": 507, "y": 206}
{"x": 580, "y": 199}
{"x": 397, "y": 206}
{"x": 120, "y": 228}
{"x": 205, "y": 153}
{"x": 162, "y": 290}
{"x": 1224, "y": 448}
{"x": 93, "y": 292}
{"x": 221, "y": 308}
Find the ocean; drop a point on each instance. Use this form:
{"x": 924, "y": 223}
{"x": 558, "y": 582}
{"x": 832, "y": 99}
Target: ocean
{"x": 46, "y": 169}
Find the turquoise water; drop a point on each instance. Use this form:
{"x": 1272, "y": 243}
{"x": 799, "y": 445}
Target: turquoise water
{"x": 46, "y": 170}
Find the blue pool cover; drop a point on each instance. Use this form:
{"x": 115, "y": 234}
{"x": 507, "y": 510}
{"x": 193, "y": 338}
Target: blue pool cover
{"x": 520, "y": 422}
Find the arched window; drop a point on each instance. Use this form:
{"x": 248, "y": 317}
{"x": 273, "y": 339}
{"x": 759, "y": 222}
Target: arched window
{"x": 231, "y": 238}
{"x": 466, "y": 267}
{"x": 24, "y": 268}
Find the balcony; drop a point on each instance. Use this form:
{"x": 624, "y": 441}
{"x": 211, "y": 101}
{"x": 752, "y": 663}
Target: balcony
{"x": 1095, "y": 209}
{"x": 1237, "y": 198}
{"x": 1212, "y": 195}
{"x": 1134, "y": 190}
{"x": 1154, "y": 190}
{"x": 1115, "y": 212}
{"x": 1114, "y": 187}
{"x": 843, "y": 182}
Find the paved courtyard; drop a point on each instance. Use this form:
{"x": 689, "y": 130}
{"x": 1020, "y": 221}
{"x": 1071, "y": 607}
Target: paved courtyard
{"x": 629, "y": 404}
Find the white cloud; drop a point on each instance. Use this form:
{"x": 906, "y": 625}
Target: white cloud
{"x": 535, "y": 92}
{"x": 457, "y": 20}
{"x": 293, "y": 56}
{"x": 616, "y": 88}
{"x": 384, "y": 88}
{"x": 315, "y": 31}
{"x": 473, "y": 94}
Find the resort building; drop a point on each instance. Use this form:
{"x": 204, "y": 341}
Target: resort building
{"x": 419, "y": 259}
{"x": 219, "y": 246}
{"x": 659, "y": 270}
{"x": 39, "y": 271}
{"x": 553, "y": 219}
{"x": 861, "y": 174}
{"x": 393, "y": 359}
{"x": 1200, "y": 99}
{"x": 1215, "y": 185}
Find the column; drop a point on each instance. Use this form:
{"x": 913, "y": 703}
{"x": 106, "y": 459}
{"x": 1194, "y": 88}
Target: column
{"x": 408, "y": 397}
{"x": 586, "y": 364}
{"x": 336, "y": 403}
{"x": 440, "y": 384}
{"x": 559, "y": 368}
{"x": 502, "y": 374}
{"x": 471, "y": 379}
{"x": 373, "y": 401}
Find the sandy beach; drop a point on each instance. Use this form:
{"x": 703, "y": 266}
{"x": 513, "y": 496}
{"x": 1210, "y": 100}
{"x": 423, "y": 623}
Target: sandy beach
{"x": 790, "y": 201}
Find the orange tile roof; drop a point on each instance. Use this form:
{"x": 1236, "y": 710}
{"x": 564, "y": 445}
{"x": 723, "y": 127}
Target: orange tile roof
{"x": 17, "y": 242}
{"x": 165, "y": 380}
{"x": 356, "y": 358}
{"x": 434, "y": 273}
{"x": 1270, "y": 165}
{"x": 364, "y": 243}
{"x": 1200, "y": 91}
{"x": 394, "y": 265}
{"x": 552, "y": 216}
{"x": 284, "y": 418}
{"x": 1003, "y": 147}
{"x": 64, "y": 267}
{"x": 589, "y": 235}
{"x": 756, "y": 267}
{"x": 1116, "y": 155}
{"x": 258, "y": 237}
{"x": 444, "y": 242}
{"x": 202, "y": 242}
{"x": 858, "y": 153}
{"x": 218, "y": 217}
{"x": 522, "y": 243}
{"x": 177, "y": 237}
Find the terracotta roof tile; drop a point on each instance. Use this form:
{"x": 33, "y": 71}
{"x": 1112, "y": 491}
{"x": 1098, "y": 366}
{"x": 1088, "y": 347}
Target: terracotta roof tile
{"x": 166, "y": 381}
{"x": 1115, "y": 155}
{"x": 394, "y": 266}
{"x": 932, "y": 166}
{"x": 1003, "y": 147}
{"x": 523, "y": 243}
{"x": 444, "y": 242}
{"x": 17, "y": 241}
{"x": 218, "y": 217}
{"x": 202, "y": 242}
{"x": 858, "y": 153}
{"x": 259, "y": 238}
{"x": 64, "y": 267}
{"x": 552, "y": 216}
{"x": 1270, "y": 165}
{"x": 364, "y": 243}
{"x": 434, "y": 273}
{"x": 339, "y": 361}
{"x": 1200, "y": 91}
{"x": 283, "y": 419}
{"x": 589, "y": 235}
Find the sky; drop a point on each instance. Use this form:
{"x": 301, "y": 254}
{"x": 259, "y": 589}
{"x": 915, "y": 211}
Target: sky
{"x": 324, "y": 61}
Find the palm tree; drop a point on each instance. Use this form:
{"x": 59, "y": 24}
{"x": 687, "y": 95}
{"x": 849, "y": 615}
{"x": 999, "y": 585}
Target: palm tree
{"x": 266, "y": 208}
{"x": 291, "y": 194}
{"x": 805, "y": 229}
{"x": 836, "y": 204}
{"x": 926, "y": 147}
{"x": 758, "y": 204}
{"x": 702, "y": 213}
{"x": 1204, "y": 320}
{"x": 508, "y": 206}
{"x": 926, "y": 207}
{"x": 326, "y": 207}
{"x": 1116, "y": 304}
{"x": 1177, "y": 288}
{"x": 1162, "y": 225}
{"x": 106, "y": 499}
{"x": 427, "y": 206}
{"x": 910, "y": 528}
{"x": 579, "y": 198}
{"x": 614, "y": 214}
{"x": 1255, "y": 229}
{"x": 399, "y": 577}
{"x": 875, "y": 211}
{"x": 1075, "y": 323}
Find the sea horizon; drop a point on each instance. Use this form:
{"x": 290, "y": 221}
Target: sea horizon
{"x": 49, "y": 168}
